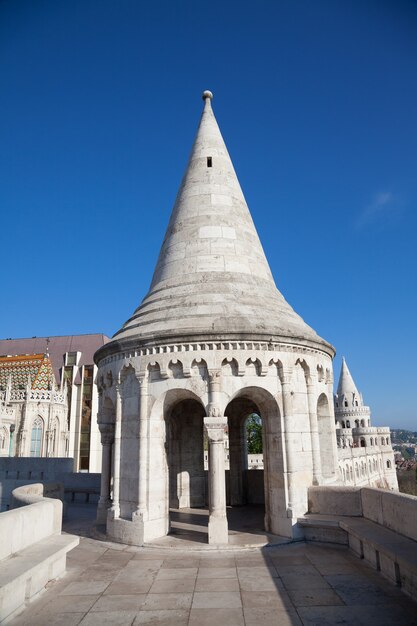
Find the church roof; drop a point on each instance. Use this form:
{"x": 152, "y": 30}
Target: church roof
{"x": 56, "y": 346}
{"x": 212, "y": 278}
{"x": 36, "y": 366}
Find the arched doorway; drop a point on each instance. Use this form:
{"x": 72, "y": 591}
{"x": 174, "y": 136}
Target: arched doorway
{"x": 186, "y": 481}
{"x": 260, "y": 488}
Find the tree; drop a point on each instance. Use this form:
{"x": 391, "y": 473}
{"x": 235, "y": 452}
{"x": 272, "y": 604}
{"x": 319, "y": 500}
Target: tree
{"x": 254, "y": 434}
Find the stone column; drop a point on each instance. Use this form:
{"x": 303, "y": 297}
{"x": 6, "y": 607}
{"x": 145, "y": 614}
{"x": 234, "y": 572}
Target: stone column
{"x": 115, "y": 508}
{"x": 107, "y": 438}
{"x": 290, "y": 448}
{"x": 218, "y": 530}
{"x": 332, "y": 425}
{"x": 314, "y": 427}
{"x": 139, "y": 515}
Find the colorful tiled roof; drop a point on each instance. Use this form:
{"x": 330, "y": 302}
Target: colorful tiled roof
{"x": 37, "y": 366}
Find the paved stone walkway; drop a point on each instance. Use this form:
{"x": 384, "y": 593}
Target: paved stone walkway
{"x": 291, "y": 584}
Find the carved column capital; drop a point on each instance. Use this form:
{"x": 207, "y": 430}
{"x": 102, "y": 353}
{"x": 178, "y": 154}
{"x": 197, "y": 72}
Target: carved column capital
{"x": 215, "y": 427}
{"x": 107, "y": 433}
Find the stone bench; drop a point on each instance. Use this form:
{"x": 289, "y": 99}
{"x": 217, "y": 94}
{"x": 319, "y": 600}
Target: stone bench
{"x": 394, "y": 555}
{"x": 32, "y": 549}
{"x": 24, "y": 574}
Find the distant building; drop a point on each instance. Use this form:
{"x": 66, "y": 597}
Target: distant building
{"x": 49, "y": 400}
{"x": 365, "y": 452}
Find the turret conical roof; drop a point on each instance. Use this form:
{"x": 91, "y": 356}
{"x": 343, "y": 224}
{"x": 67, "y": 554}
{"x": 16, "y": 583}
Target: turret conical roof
{"x": 346, "y": 386}
{"x": 212, "y": 278}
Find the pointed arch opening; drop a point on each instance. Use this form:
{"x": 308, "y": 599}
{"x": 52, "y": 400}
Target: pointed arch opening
{"x": 36, "y": 437}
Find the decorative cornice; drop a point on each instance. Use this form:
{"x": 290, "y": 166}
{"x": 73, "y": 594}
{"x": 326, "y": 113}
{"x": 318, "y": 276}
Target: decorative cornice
{"x": 116, "y": 352}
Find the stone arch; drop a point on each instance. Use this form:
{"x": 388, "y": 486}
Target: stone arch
{"x": 259, "y": 400}
{"x": 199, "y": 368}
{"x": 253, "y": 367}
{"x": 154, "y": 371}
{"x": 184, "y": 414}
{"x": 230, "y": 367}
{"x": 175, "y": 369}
{"x": 324, "y": 422}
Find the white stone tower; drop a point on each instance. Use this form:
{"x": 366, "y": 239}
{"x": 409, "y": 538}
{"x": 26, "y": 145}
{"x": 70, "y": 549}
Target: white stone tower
{"x": 212, "y": 342}
{"x": 365, "y": 453}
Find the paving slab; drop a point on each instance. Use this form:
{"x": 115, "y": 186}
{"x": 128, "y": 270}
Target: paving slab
{"x": 163, "y": 617}
{"x": 216, "y": 617}
{"x": 295, "y": 584}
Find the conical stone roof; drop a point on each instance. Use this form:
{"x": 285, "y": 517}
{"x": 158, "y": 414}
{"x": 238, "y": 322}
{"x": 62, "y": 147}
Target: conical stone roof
{"x": 346, "y": 386}
{"x": 212, "y": 279}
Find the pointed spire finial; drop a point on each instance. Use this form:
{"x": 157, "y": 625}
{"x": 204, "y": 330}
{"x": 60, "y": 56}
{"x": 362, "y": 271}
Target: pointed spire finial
{"x": 207, "y": 94}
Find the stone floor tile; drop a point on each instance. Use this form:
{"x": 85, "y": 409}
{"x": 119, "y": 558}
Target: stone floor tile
{"x": 308, "y": 581}
{"x": 216, "y": 600}
{"x": 269, "y": 572}
{"x": 278, "y": 599}
{"x": 144, "y": 564}
{"x": 69, "y": 604}
{"x": 357, "y": 616}
{"x": 181, "y": 562}
{"x": 298, "y": 559}
{"x": 131, "y": 575}
{"x": 314, "y": 597}
{"x": 217, "y": 572}
{"x": 141, "y": 585}
{"x": 174, "y": 574}
{"x": 115, "y": 557}
{"x": 216, "y": 561}
{"x": 155, "y": 601}
{"x": 112, "y": 618}
{"x": 216, "y": 617}
{"x": 163, "y": 618}
{"x": 100, "y": 572}
{"x": 260, "y": 584}
{"x": 169, "y": 586}
{"x": 338, "y": 568}
{"x": 114, "y": 602}
{"x": 84, "y": 587}
{"x": 217, "y": 584}
{"x": 296, "y": 569}
{"x": 271, "y": 617}
{"x": 42, "y": 619}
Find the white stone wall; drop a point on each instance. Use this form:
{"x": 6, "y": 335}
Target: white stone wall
{"x": 284, "y": 382}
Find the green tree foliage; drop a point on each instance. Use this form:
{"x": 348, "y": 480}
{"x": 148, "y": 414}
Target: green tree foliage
{"x": 254, "y": 434}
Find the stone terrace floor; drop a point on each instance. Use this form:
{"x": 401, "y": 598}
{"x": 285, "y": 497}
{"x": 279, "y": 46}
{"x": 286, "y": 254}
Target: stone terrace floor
{"x": 290, "y": 584}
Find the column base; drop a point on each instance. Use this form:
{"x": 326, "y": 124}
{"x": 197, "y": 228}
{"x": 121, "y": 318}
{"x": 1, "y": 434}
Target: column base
{"x": 125, "y": 531}
{"x": 102, "y": 510}
{"x": 218, "y": 530}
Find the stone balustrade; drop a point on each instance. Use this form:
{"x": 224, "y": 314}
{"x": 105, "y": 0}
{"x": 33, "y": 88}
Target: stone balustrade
{"x": 31, "y": 534}
{"x": 377, "y": 524}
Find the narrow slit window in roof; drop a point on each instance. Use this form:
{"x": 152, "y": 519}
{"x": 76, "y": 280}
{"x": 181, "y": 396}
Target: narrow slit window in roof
{"x": 209, "y": 162}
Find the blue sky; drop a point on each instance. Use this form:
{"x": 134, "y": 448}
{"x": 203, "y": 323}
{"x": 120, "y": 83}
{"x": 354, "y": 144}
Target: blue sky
{"x": 317, "y": 101}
